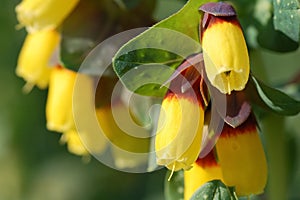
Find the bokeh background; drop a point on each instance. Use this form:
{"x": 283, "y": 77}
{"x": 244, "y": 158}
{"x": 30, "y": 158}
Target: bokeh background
{"x": 34, "y": 166}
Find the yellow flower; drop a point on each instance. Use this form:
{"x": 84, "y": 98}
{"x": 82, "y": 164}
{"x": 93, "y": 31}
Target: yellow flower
{"x": 224, "y": 48}
{"x": 34, "y": 59}
{"x": 43, "y": 14}
{"x": 70, "y": 110}
{"x": 129, "y": 143}
{"x": 179, "y": 134}
{"x": 204, "y": 170}
{"x": 242, "y": 158}
{"x": 59, "y": 102}
{"x": 74, "y": 142}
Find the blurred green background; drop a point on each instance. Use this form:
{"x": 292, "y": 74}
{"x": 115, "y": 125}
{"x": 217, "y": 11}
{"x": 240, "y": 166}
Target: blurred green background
{"x": 34, "y": 166}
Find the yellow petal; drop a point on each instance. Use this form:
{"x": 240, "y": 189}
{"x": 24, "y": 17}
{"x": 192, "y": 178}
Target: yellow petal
{"x": 33, "y": 63}
{"x": 43, "y": 14}
{"x": 179, "y": 135}
{"x": 84, "y": 115}
{"x": 225, "y": 55}
{"x": 59, "y": 102}
{"x": 120, "y": 129}
{"x": 129, "y": 143}
{"x": 242, "y": 158}
{"x": 203, "y": 170}
{"x": 74, "y": 142}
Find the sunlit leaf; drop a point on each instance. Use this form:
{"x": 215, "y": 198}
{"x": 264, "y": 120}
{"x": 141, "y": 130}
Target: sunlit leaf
{"x": 165, "y": 44}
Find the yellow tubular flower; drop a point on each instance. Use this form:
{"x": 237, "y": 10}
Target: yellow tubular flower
{"x": 179, "y": 134}
{"x": 129, "y": 147}
{"x": 224, "y": 48}
{"x": 74, "y": 142}
{"x": 84, "y": 115}
{"x": 43, "y": 14}
{"x": 59, "y": 102}
{"x": 242, "y": 158}
{"x": 34, "y": 59}
{"x": 204, "y": 170}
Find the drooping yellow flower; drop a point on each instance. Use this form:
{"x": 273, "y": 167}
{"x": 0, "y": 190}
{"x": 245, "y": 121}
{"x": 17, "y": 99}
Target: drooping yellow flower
{"x": 204, "y": 170}
{"x": 79, "y": 124}
{"x": 34, "y": 59}
{"x": 242, "y": 158}
{"x": 129, "y": 143}
{"x": 224, "y": 48}
{"x": 59, "y": 102}
{"x": 179, "y": 134}
{"x": 43, "y": 14}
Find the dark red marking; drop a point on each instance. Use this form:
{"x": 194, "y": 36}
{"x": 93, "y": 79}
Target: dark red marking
{"x": 249, "y": 126}
{"x": 218, "y": 9}
{"x": 208, "y": 161}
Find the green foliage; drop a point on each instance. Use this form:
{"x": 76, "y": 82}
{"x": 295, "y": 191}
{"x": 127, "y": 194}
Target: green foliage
{"x": 215, "y": 190}
{"x": 272, "y": 99}
{"x": 166, "y": 43}
{"x": 287, "y": 17}
{"x": 175, "y": 186}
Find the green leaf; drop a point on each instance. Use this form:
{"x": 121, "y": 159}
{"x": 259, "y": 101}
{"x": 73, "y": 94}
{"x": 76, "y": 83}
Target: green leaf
{"x": 273, "y": 99}
{"x": 175, "y": 187}
{"x": 275, "y": 40}
{"x": 287, "y": 17}
{"x": 164, "y": 45}
{"x": 214, "y": 190}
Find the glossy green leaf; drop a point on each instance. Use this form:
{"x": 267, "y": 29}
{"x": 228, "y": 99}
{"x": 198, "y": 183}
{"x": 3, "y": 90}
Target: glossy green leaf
{"x": 164, "y": 45}
{"x": 287, "y": 17}
{"x": 214, "y": 190}
{"x": 273, "y": 99}
{"x": 175, "y": 187}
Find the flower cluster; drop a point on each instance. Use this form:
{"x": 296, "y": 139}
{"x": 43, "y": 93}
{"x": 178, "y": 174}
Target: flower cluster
{"x": 72, "y": 94}
{"x": 187, "y": 140}
{"x": 206, "y": 126}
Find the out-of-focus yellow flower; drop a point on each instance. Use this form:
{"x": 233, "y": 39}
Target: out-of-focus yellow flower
{"x": 179, "y": 134}
{"x": 74, "y": 143}
{"x": 34, "y": 59}
{"x": 129, "y": 143}
{"x": 59, "y": 102}
{"x": 204, "y": 170}
{"x": 224, "y": 48}
{"x": 43, "y": 14}
{"x": 79, "y": 133}
{"x": 242, "y": 158}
